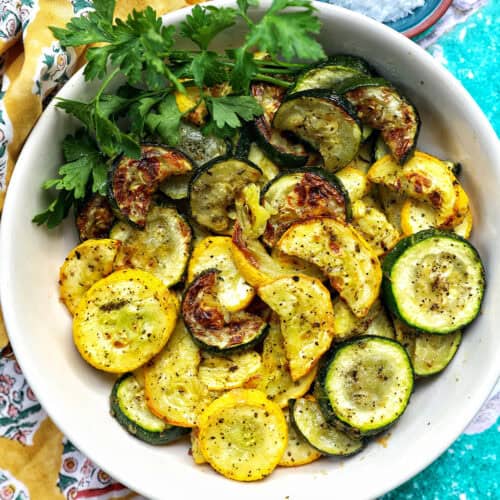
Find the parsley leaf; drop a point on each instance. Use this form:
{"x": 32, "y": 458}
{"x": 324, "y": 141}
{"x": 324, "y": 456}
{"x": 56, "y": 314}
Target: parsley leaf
{"x": 166, "y": 122}
{"x": 287, "y": 34}
{"x": 95, "y": 115}
{"x": 138, "y": 45}
{"x": 85, "y": 169}
{"x": 207, "y": 70}
{"x": 94, "y": 27}
{"x": 57, "y": 210}
{"x": 204, "y": 23}
{"x": 229, "y": 110}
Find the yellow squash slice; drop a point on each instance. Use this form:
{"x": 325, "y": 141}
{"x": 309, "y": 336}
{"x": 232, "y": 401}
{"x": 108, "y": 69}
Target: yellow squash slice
{"x": 220, "y": 373}
{"x": 425, "y": 178}
{"x": 373, "y": 225}
{"x": 342, "y": 254}
{"x": 196, "y": 453}
{"x": 86, "y": 264}
{"x": 124, "y": 320}
{"x": 214, "y": 252}
{"x": 305, "y": 310}
{"x": 173, "y": 389}
{"x": 355, "y": 182}
{"x": 258, "y": 267}
{"x": 347, "y": 325}
{"x": 269, "y": 169}
{"x": 419, "y": 215}
{"x": 243, "y": 435}
{"x": 298, "y": 450}
{"x": 274, "y": 378}
{"x": 391, "y": 202}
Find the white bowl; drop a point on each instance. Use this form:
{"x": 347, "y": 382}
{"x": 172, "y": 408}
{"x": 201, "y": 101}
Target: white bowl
{"x": 76, "y": 396}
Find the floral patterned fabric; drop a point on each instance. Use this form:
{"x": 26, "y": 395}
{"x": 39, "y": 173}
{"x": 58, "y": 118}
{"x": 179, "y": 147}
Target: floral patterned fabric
{"x": 36, "y": 461}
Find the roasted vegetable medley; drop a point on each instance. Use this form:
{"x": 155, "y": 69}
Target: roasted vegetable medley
{"x": 276, "y": 295}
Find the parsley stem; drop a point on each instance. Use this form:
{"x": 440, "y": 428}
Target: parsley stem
{"x": 105, "y": 83}
{"x": 270, "y": 79}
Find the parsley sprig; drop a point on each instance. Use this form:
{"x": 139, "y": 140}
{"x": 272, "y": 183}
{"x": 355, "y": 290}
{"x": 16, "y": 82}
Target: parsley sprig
{"x": 141, "y": 51}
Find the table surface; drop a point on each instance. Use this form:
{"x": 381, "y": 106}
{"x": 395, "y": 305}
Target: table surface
{"x": 466, "y": 42}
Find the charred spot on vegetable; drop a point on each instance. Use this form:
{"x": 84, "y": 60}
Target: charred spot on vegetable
{"x": 132, "y": 183}
{"x": 213, "y": 328}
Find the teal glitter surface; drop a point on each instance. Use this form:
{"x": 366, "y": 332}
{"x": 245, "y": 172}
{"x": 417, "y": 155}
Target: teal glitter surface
{"x": 469, "y": 470}
{"x": 471, "y": 52}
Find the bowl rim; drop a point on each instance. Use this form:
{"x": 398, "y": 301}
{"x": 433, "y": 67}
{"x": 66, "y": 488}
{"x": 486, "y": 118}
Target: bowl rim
{"x": 447, "y": 438}
{"x": 423, "y": 24}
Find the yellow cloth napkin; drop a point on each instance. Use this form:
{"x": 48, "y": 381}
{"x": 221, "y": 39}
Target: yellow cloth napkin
{"x": 36, "y": 461}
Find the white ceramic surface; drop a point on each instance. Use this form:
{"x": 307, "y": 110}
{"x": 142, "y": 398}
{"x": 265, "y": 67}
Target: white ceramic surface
{"x": 76, "y": 396}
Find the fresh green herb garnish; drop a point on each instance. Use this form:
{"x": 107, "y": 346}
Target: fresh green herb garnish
{"x": 85, "y": 168}
{"x": 140, "y": 50}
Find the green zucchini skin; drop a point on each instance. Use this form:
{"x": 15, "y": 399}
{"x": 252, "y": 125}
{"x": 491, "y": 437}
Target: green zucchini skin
{"x": 393, "y": 302}
{"x": 330, "y": 72}
{"x": 132, "y": 183}
{"x": 284, "y": 151}
{"x": 94, "y": 218}
{"x": 439, "y": 349}
{"x": 209, "y": 327}
{"x": 206, "y": 205}
{"x": 167, "y": 435}
{"x": 402, "y": 133}
{"x": 302, "y": 426}
{"x": 322, "y": 396}
{"x": 275, "y": 228}
{"x": 337, "y": 149}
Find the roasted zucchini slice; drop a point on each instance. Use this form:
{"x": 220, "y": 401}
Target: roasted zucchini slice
{"x": 214, "y": 252}
{"x": 298, "y": 450}
{"x": 382, "y": 107}
{"x": 222, "y": 373}
{"x": 365, "y": 384}
{"x": 324, "y": 120}
{"x": 176, "y": 188}
{"x": 430, "y": 354}
{"x": 282, "y": 148}
{"x": 124, "y": 320}
{"x": 344, "y": 256}
{"x": 94, "y": 218}
{"x": 213, "y": 328}
{"x": 199, "y": 147}
{"x": 173, "y": 389}
{"x": 132, "y": 183}
{"x": 295, "y": 196}
{"x": 213, "y": 190}
{"x": 161, "y": 248}
{"x": 311, "y": 424}
{"x": 129, "y": 408}
{"x": 328, "y": 74}
{"x": 243, "y": 435}
{"x": 86, "y": 264}
{"x": 306, "y": 316}
{"x": 269, "y": 169}
{"x": 274, "y": 378}
{"x": 434, "y": 281}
